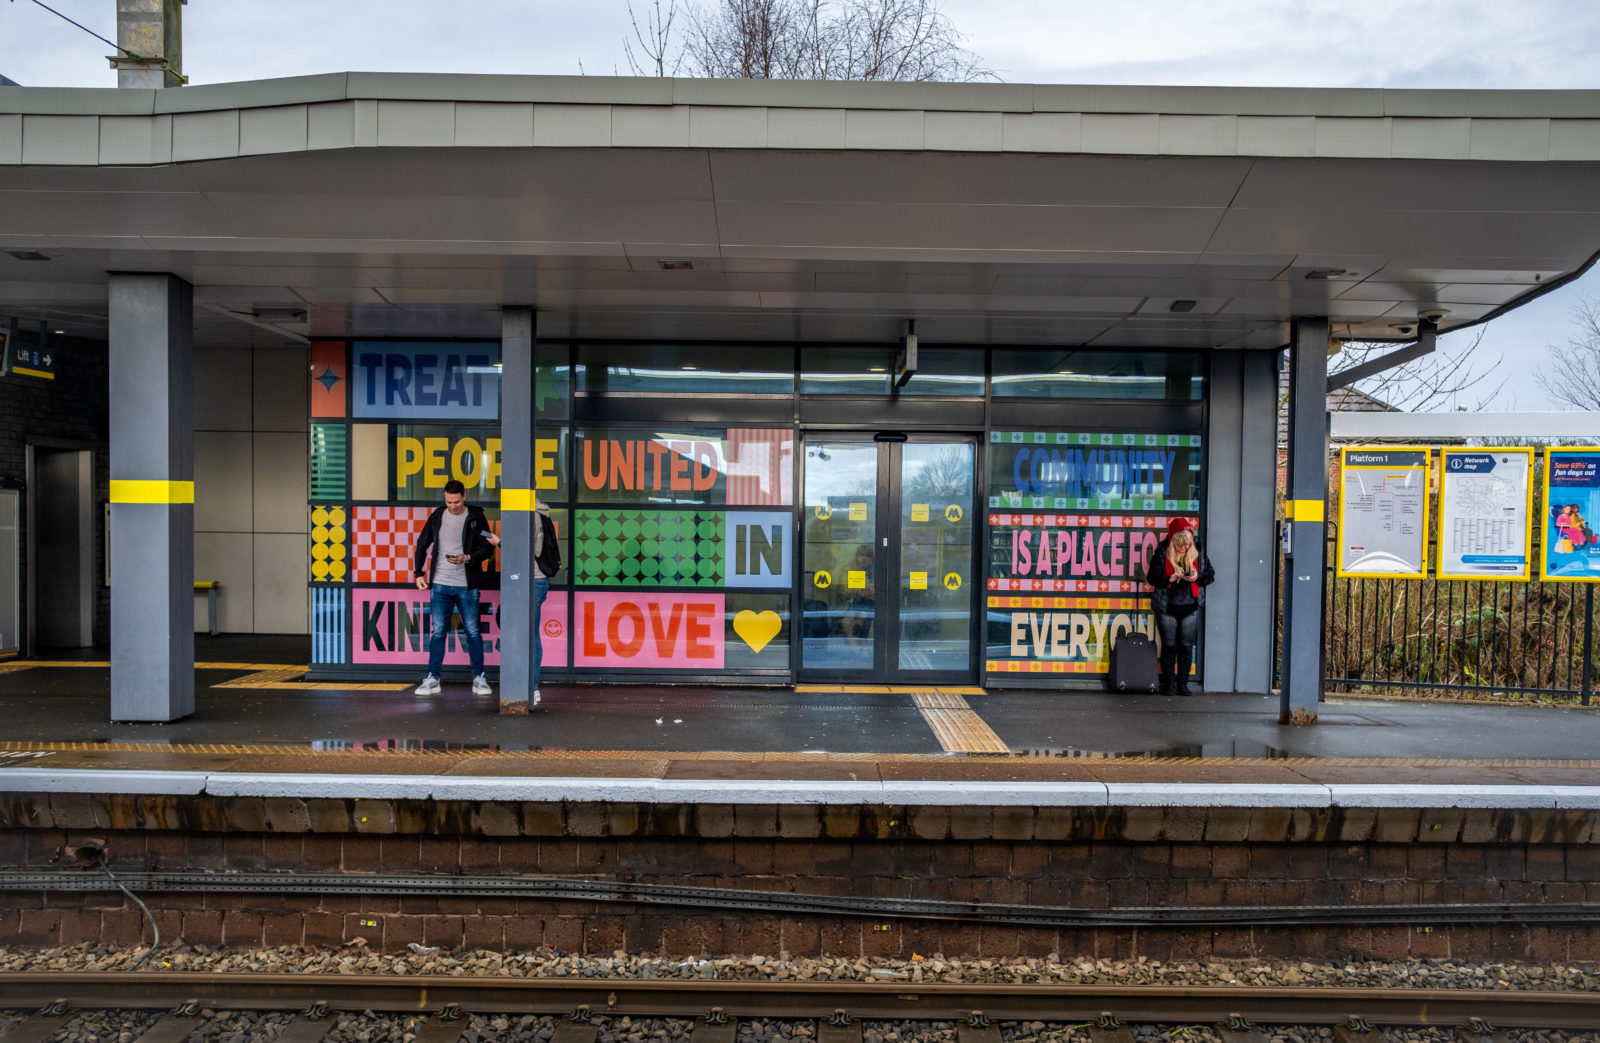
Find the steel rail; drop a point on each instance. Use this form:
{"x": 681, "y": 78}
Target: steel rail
{"x": 727, "y": 898}
{"x": 803, "y": 1000}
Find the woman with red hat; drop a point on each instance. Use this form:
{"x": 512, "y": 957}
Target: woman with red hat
{"x": 1180, "y": 573}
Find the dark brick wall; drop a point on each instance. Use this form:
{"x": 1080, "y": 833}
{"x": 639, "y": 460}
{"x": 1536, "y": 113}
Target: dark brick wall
{"x": 71, "y": 408}
{"x": 1092, "y": 858}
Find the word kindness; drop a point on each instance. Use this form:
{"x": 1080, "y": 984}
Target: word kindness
{"x": 1081, "y": 553}
{"x": 1086, "y": 472}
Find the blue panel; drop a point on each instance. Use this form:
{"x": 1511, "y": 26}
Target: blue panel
{"x": 327, "y": 624}
{"x": 448, "y": 380}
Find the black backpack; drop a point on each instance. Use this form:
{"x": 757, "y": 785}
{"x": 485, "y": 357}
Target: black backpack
{"x": 549, "y": 559}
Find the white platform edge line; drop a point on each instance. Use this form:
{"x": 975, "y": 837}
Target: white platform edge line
{"x": 782, "y": 791}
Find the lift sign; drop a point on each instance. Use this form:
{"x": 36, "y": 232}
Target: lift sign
{"x": 445, "y": 380}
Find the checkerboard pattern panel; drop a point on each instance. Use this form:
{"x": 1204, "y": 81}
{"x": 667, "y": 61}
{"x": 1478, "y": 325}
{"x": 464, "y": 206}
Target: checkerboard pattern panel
{"x": 384, "y": 539}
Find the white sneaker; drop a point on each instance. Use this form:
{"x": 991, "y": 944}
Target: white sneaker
{"x": 480, "y": 686}
{"x": 535, "y": 700}
{"x": 429, "y": 686}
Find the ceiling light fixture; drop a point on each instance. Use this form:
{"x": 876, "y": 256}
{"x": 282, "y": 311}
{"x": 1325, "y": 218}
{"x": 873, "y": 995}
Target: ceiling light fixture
{"x": 679, "y": 264}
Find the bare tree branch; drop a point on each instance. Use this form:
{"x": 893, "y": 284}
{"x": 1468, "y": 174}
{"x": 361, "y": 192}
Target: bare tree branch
{"x": 824, "y": 40}
{"x": 655, "y": 41}
{"x": 1451, "y": 378}
{"x": 1574, "y": 375}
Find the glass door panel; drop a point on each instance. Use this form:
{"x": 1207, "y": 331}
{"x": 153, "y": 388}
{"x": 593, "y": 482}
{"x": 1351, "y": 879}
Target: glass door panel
{"x": 935, "y": 484}
{"x": 888, "y": 555}
{"x": 838, "y": 609}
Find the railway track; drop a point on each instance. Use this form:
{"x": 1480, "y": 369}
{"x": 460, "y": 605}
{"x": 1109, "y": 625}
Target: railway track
{"x": 440, "y": 1005}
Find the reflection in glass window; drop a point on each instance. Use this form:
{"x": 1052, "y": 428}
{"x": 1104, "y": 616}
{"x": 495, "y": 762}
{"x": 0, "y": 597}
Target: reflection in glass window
{"x": 552, "y": 386}
{"x": 1083, "y": 373}
{"x": 674, "y": 370}
{"x": 695, "y": 465}
{"x": 870, "y": 370}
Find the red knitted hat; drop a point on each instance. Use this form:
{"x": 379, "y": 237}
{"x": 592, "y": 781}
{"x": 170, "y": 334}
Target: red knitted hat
{"x": 1178, "y": 525}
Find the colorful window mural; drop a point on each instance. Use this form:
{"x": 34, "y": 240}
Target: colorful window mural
{"x": 1073, "y": 518}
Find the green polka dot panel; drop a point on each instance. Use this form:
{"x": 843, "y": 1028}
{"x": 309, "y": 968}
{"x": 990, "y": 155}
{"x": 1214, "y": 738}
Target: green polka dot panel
{"x": 630, "y": 548}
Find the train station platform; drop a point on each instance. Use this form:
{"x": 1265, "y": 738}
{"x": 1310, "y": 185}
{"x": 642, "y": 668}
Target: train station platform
{"x": 256, "y": 717}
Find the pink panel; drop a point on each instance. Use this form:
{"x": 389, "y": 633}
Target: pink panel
{"x": 675, "y": 631}
{"x": 391, "y": 626}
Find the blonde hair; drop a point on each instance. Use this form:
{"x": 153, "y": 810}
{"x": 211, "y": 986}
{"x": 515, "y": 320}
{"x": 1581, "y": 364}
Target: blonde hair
{"x": 1182, "y": 560}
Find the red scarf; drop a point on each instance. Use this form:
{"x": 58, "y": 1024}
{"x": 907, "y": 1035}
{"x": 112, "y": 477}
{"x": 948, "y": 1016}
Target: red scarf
{"x": 1194, "y": 587}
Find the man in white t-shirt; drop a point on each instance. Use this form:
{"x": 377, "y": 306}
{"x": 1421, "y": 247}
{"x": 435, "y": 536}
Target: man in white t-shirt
{"x": 458, "y": 535}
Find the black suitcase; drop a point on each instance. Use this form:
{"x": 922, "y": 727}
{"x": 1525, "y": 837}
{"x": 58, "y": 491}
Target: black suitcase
{"x": 1133, "y": 665}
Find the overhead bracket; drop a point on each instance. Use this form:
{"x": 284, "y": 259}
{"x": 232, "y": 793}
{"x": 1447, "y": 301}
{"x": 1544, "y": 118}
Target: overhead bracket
{"x": 1427, "y": 336}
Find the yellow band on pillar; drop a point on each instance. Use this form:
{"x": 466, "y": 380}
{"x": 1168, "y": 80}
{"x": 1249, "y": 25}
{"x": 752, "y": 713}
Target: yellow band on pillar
{"x": 1304, "y": 510}
{"x": 516, "y": 499}
{"x": 132, "y": 490}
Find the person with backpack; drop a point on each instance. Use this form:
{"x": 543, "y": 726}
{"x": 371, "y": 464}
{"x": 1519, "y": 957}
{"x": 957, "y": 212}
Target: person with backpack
{"x": 1180, "y": 572}
{"x": 456, "y": 533}
{"x": 546, "y": 563}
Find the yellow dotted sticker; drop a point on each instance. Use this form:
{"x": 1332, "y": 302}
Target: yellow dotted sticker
{"x": 856, "y": 580}
{"x": 858, "y": 512}
{"x": 919, "y": 512}
{"x": 919, "y": 581}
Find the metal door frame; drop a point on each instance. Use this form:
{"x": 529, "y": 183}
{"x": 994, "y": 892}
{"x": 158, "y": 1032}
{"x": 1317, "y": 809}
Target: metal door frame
{"x": 886, "y": 612}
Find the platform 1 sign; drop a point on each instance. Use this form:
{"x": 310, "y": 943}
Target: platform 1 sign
{"x": 1383, "y": 512}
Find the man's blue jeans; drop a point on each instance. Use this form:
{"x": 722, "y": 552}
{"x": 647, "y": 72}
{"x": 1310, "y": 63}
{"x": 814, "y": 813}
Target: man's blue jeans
{"x": 541, "y": 590}
{"x": 448, "y": 599}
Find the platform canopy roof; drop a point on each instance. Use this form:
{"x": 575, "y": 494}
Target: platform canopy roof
{"x": 417, "y": 205}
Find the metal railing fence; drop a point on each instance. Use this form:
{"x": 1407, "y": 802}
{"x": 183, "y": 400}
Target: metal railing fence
{"x": 1496, "y": 637}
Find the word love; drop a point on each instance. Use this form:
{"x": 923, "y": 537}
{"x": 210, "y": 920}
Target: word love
{"x": 676, "y": 631}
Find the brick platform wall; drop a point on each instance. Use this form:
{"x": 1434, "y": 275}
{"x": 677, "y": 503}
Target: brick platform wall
{"x": 1091, "y": 858}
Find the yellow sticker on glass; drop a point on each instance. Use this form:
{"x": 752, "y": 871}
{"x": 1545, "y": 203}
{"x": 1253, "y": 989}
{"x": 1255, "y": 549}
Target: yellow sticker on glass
{"x": 919, "y": 512}
{"x": 856, "y": 580}
{"x": 858, "y": 512}
{"x": 919, "y": 581}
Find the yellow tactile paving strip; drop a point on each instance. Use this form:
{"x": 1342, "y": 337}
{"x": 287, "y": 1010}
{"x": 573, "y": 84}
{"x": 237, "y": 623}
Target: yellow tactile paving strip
{"x": 283, "y": 677}
{"x": 957, "y": 727}
{"x": 263, "y": 676}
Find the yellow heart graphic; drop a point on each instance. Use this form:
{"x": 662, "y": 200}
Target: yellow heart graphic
{"x": 757, "y": 628}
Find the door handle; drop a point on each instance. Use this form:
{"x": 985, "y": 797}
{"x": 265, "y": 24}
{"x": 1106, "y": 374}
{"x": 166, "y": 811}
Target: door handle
{"x": 886, "y": 541}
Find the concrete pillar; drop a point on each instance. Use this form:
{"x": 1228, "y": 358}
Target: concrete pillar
{"x": 517, "y": 501}
{"x": 149, "y": 44}
{"x": 1241, "y": 483}
{"x": 1305, "y": 509}
{"x": 152, "y": 497}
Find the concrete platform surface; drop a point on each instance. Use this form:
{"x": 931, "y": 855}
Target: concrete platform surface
{"x": 255, "y": 716}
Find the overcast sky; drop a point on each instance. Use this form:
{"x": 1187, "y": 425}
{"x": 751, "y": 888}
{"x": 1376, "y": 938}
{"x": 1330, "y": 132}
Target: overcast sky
{"x": 1498, "y": 44}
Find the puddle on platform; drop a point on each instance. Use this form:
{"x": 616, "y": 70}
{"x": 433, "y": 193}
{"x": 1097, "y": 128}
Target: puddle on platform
{"x": 1238, "y": 749}
{"x": 409, "y": 745}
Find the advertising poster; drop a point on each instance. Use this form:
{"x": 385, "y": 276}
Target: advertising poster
{"x": 1571, "y": 515}
{"x": 1484, "y": 503}
{"x": 1383, "y": 512}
